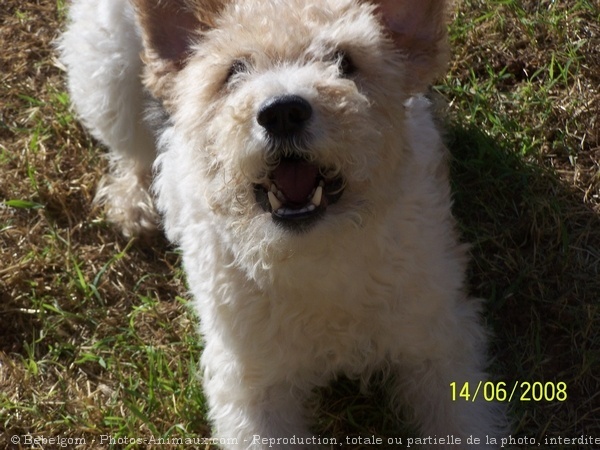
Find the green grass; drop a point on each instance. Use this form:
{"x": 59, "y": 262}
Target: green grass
{"x": 96, "y": 336}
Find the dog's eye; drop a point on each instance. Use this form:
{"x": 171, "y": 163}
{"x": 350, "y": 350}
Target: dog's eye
{"x": 238, "y": 66}
{"x": 345, "y": 63}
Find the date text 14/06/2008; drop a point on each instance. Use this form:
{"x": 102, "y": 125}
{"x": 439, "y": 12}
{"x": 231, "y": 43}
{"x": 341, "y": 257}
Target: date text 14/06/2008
{"x": 523, "y": 391}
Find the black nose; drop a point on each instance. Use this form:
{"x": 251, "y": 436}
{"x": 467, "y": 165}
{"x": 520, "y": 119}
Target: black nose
{"x": 285, "y": 115}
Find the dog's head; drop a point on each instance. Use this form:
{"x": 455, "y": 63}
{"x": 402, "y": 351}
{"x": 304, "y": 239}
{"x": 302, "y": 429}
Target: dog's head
{"x": 287, "y": 115}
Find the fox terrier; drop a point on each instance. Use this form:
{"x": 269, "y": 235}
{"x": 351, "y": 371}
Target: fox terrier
{"x": 292, "y": 156}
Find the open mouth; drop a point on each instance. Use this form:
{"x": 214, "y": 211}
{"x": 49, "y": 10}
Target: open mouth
{"x": 298, "y": 192}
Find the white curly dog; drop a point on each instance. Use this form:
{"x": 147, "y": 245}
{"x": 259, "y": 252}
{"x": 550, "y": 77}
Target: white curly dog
{"x": 296, "y": 164}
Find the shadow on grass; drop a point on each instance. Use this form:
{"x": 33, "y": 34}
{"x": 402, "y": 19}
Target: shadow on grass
{"x": 535, "y": 259}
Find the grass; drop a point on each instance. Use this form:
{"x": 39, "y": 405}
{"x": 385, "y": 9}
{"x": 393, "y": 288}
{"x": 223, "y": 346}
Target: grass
{"x": 96, "y": 337}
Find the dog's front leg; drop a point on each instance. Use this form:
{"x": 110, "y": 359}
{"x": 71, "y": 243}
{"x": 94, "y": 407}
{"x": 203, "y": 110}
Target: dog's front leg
{"x": 443, "y": 420}
{"x": 250, "y": 414}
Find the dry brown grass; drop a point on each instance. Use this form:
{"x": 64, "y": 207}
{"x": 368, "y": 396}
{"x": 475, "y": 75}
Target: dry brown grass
{"x": 95, "y": 337}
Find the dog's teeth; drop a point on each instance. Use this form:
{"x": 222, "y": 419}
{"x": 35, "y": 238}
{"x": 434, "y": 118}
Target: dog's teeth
{"x": 317, "y": 197}
{"x": 275, "y": 203}
{"x": 273, "y": 188}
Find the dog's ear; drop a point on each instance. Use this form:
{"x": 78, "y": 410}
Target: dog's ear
{"x": 169, "y": 28}
{"x": 419, "y": 30}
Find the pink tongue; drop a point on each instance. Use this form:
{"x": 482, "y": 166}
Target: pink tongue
{"x": 296, "y": 179}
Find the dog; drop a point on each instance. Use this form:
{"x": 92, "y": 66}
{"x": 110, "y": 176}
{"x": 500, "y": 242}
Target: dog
{"x": 290, "y": 150}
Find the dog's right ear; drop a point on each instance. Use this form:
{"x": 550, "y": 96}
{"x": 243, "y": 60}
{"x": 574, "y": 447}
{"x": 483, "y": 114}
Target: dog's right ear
{"x": 169, "y": 28}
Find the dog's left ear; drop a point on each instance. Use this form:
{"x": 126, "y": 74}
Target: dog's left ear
{"x": 169, "y": 27}
{"x": 419, "y": 30}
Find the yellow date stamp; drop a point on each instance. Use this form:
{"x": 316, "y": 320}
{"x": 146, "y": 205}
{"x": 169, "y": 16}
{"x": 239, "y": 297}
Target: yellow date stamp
{"x": 523, "y": 391}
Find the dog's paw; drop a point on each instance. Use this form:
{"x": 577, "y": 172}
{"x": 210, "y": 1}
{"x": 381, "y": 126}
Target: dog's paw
{"x": 129, "y": 205}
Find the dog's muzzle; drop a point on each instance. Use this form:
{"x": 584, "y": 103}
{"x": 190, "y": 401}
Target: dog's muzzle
{"x": 298, "y": 189}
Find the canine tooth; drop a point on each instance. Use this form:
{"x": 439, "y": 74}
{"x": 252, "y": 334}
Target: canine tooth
{"x": 317, "y": 197}
{"x": 274, "y": 201}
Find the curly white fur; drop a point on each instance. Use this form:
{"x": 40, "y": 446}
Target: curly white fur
{"x": 377, "y": 284}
